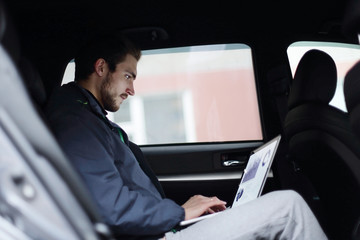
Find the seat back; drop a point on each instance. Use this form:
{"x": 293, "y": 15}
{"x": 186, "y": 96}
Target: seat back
{"x": 33, "y": 82}
{"x": 323, "y": 144}
{"x": 352, "y": 96}
{"x": 41, "y": 195}
{"x": 352, "y": 99}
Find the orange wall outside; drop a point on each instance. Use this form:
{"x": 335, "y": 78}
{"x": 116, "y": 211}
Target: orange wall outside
{"x": 228, "y": 102}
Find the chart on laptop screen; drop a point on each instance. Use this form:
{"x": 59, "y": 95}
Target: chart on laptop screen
{"x": 256, "y": 173}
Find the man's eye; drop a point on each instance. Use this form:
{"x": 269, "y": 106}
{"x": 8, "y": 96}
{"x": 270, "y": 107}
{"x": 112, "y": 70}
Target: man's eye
{"x": 127, "y": 76}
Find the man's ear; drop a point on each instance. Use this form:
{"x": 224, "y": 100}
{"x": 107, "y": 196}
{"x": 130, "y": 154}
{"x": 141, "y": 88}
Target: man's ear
{"x": 100, "y": 67}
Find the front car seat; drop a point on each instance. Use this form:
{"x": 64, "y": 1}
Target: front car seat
{"x": 322, "y": 144}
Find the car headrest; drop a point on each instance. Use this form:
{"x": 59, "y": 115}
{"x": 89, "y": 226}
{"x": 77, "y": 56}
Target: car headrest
{"x": 352, "y": 96}
{"x": 314, "y": 81}
{"x": 33, "y": 81}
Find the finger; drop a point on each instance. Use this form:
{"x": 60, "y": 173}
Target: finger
{"x": 210, "y": 211}
{"x": 215, "y": 201}
{"x": 218, "y": 208}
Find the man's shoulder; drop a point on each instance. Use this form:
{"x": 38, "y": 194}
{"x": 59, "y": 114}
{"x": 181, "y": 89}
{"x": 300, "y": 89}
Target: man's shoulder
{"x": 65, "y": 92}
{"x": 65, "y": 102}
{"x": 64, "y": 96}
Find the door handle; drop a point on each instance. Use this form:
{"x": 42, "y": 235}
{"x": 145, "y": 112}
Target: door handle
{"x": 231, "y": 163}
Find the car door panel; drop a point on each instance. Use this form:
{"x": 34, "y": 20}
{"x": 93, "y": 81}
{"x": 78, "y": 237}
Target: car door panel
{"x": 210, "y": 170}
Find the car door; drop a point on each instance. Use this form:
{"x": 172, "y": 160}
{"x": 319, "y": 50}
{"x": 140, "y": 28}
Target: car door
{"x": 208, "y": 169}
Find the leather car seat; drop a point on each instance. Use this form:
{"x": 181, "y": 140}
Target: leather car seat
{"x": 352, "y": 100}
{"x": 33, "y": 82}
{"x": 352, "y": 96}
{"x": 322, "y": 143}
{"x": 56, "y": 203}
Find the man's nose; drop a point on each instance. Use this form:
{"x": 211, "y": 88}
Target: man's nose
{"x": 131, "y": 90}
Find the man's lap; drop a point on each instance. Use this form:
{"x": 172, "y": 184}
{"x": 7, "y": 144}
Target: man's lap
{"x": 265, "y": 216}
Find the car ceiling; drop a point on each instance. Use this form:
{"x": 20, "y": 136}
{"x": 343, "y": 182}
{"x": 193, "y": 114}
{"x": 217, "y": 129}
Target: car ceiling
{"x": 50, "y": 32}
{"x": 63, "y": 22}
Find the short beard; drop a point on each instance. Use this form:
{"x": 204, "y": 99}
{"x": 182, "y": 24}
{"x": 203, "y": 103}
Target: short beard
{"x": 107, "y": 99}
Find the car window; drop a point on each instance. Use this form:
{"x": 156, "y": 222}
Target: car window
{"x": 191, "y": 95}
{"x": 344, "y": 55}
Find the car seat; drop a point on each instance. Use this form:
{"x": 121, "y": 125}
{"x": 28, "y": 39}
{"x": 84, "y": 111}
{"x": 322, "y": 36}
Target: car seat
{"x": 322, "y": 143}
{"x": 352, "y": 96}
{"x": 33, "y": 82}
{"x": 352, "y": 99}
{"x": 41, "y": 196}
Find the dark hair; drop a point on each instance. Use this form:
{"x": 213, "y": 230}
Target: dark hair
{"x": 112, "y": 48}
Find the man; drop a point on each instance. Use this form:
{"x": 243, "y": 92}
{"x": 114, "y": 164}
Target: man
{"x": 125, "y": 189}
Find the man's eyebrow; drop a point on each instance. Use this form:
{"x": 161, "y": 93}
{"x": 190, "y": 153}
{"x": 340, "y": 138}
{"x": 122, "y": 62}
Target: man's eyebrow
{"x": 133, "y": 75}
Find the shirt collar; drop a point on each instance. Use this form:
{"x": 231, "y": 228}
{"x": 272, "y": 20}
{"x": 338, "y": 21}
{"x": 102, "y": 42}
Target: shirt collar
{"x": 96, "y": 107}
{"x": 93, "y": 102}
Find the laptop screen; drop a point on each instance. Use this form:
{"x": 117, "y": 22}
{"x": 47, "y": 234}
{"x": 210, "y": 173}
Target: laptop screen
{"x": 256, "y": 172}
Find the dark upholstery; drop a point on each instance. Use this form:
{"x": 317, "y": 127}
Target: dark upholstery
{"x": 352, "y": 96}
{"x": 33, "y": 82}
{"x": 10, "y": 41}
{"x": 352, "y": 99}
{"x": 314, "y": 81}
{"x": 8, "y": 34}
{"x": 351, "y": 21}
{"x": 322, "y": 143}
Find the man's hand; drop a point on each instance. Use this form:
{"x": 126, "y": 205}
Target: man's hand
{"x": 198, "y": 205}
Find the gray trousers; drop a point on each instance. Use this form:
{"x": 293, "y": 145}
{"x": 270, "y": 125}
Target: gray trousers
{"x": 276, "y": 215}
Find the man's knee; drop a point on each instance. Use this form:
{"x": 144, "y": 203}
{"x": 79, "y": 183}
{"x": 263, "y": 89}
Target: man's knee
{"x": 293, "y": 195}
{"x": 287, "y": 198}
{"x": 294, "y": 204}
{"x": 289, "y": 195}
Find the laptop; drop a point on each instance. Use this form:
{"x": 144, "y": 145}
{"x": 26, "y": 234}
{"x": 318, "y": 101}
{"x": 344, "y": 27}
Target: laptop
{"x": 253, "y": 179}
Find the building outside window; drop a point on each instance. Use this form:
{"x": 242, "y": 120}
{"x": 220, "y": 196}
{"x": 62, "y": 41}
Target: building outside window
{"x": 191, "y": 95}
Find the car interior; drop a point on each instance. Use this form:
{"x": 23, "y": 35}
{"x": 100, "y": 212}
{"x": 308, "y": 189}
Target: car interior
{"x": 223, "y": 78}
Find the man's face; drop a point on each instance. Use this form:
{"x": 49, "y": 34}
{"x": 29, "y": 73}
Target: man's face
{"x": 118, "y": 85}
